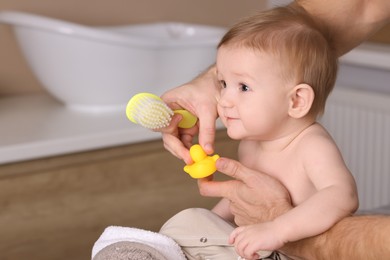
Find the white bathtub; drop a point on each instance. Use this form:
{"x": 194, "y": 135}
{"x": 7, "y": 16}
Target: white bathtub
{"x": 98, "y": 68}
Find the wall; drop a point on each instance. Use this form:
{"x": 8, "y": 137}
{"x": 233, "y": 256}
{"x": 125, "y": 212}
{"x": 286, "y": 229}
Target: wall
{"x": 15, "y": 76}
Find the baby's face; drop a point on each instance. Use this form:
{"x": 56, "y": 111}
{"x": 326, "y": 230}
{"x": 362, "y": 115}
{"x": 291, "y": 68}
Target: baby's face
{"x": 254, "y": 97}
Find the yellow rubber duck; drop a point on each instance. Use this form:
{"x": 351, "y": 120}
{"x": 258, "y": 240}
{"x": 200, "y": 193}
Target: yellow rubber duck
{"x": 203, "y": 165}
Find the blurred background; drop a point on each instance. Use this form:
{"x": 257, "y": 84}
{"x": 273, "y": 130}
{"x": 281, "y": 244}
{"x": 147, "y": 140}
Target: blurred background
{"x": 15, "y": 76}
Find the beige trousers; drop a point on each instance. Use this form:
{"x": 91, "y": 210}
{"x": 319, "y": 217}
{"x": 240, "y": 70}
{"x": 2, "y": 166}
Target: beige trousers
{"x": 204, "y": 235}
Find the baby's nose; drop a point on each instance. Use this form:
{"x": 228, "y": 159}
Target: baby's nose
{"x": 224, "y": 100}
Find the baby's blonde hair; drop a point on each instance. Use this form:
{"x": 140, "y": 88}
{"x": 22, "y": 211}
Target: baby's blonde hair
{"x": 303, "y": 47}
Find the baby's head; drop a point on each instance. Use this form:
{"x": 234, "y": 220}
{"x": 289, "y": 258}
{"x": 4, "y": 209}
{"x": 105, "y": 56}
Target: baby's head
{"x": 301, "y": 47}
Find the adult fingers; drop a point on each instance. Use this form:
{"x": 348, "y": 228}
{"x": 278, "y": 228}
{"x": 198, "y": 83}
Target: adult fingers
{"x": 220, "y": 189}
{"x": 207, "y": 116}
{"x": 233, "y": 169}
{"x": 176, "y": 140}
{"x": 226, "y": 189}
{"x": 176, "y": 147}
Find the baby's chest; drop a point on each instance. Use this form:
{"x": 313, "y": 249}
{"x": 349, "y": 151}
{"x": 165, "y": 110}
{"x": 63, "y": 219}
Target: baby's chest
{"x": 291, "y": 173}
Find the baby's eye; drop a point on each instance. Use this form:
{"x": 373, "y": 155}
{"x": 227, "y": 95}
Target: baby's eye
{"x": 244, "y": 88}
{"x": 223, "y": 83}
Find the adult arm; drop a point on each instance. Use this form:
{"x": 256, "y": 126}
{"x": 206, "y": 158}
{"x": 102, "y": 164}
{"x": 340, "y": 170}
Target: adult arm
{"x": 350, "y": 21}
{"x": 355, "y": 237}
{"x": 222, "y": 209}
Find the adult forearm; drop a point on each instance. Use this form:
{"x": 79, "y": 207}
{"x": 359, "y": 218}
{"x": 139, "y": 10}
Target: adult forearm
{"x": 222, "y": 209}
{"x": 350, "y": 21}
{"x": 357, "y": 237}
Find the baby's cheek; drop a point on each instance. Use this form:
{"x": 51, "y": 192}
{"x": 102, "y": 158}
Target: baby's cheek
{"x": 219, "y": 110}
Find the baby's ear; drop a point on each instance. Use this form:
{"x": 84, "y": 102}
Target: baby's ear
{"x": 301, "y": 100}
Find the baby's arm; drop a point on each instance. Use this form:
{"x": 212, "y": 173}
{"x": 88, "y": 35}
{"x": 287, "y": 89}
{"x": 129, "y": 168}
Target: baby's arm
{"x": 317, "y": 214}
{"x": 336, "y": 197}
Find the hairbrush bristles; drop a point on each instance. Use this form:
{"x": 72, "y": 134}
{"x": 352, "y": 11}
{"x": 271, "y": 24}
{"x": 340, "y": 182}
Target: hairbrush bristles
{"x": 149, "y": 111}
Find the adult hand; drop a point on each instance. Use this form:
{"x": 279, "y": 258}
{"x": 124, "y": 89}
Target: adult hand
{"x": 254, "y": 196}
{"x": 200, "y": 98}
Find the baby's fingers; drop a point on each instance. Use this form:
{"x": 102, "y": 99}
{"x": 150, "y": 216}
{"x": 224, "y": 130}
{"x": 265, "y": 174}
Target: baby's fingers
{"x": 234, "y": 234}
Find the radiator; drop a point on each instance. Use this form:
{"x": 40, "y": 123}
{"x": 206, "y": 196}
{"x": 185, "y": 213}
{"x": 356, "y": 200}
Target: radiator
{"x": 359, "y": 121}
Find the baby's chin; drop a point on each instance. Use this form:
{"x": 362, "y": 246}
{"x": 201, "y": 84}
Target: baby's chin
{"x": 234, "y": 135}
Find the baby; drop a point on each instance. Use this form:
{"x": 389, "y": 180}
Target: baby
{"x": 276, "y": 70}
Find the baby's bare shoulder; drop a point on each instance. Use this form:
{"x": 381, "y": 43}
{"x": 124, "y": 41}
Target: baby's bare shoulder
{"x": 316, "y": 139}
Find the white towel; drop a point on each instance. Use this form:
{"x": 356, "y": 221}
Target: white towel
{"x": 164, "y": 244}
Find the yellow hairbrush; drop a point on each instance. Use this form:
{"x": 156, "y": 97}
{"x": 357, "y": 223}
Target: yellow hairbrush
{"x": 150, "y": 111}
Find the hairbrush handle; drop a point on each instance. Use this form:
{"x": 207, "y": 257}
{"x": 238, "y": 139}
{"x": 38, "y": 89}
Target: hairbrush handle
{"x": 188, "y": 120}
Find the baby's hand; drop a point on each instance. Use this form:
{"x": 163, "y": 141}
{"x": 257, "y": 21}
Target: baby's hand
{"x": 249, "y": 240}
